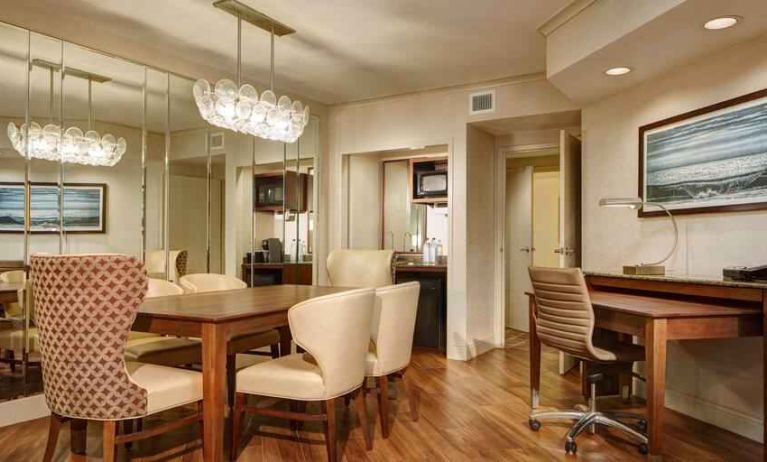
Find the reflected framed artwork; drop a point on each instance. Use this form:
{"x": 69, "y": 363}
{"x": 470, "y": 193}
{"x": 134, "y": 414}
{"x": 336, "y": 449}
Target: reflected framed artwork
{"x": 84, "y": 208}
{"x": 713, "y": 159}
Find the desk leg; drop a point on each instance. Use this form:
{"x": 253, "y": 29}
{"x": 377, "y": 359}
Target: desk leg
{"x": 655, "y": 350}
{"x": 214, "y": 341}
{"x": 535, "y": 359}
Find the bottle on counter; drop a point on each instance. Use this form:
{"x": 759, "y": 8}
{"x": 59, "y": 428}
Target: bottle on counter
{"x": 426, "y": 251}
{"x": 437, "y": 251}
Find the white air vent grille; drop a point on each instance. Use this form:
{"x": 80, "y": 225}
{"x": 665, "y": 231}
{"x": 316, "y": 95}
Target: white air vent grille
{"x": 216, "y": 141}
{"x": 482, "y": 102}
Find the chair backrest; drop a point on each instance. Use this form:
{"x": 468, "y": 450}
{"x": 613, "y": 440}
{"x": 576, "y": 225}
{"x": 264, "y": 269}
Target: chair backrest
{"x": 335, "y": 331}
{"x": 393, "y": 326}
{"x": 155, "y": 263}
{"x": 564, "y": 317}
{"x": 209, "y": 282}
{"x": 162, "y": 288}
{"x": 360, "y": 268}
{"x": 85, "y": 306}
{"x": 13, "y": 276}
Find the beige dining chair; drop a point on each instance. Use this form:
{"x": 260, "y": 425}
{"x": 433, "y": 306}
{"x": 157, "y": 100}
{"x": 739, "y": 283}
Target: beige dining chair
{"x": 391, "y": 344}
{"x": 85, "y": 307}
{"x": 335, "y": 332}
{"x": 564, "y": 319}
{"x": 360, "y": 268}
{"x": 245, "y": 343}
{"x": 15, "y": 347}
{"x": 13, "y": 309}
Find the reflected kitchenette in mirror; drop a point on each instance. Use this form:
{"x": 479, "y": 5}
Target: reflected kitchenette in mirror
{"x": 104, "y": 155}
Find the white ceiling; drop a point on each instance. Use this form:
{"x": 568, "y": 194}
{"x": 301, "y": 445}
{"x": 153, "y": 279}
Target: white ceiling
{"x": 345, "y": 50}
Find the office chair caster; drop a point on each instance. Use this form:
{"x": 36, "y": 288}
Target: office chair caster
{"x": 643, "y": 449}
{"x": 535, "y": 425}
{"x": 571, "y": 447}
{"x": 642, "y": 425}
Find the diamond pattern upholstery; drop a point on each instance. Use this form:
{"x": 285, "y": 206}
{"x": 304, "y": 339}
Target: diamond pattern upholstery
{"x": 85, "y": 306}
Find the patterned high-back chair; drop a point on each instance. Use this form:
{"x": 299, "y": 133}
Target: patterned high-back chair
{"x": 85, "y": 307}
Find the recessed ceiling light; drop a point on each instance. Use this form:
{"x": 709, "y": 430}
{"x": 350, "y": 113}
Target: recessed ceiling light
{"x": 722, "y": 22}
{"x": 618, "y": 70}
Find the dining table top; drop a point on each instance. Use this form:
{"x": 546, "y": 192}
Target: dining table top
{"x": 231, "y": 305}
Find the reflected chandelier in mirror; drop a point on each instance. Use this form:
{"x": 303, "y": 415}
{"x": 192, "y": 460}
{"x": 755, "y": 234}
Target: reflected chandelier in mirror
{"x": 71, "y": 146}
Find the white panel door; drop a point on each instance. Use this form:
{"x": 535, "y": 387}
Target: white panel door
{"x": 519, "y": 238}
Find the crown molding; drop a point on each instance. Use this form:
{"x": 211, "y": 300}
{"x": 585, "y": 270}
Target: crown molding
{"x": 564, "y": 15}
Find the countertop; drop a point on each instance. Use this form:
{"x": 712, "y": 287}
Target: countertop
{"x": 420, "y": 267}
{"x": 682, "y": 278}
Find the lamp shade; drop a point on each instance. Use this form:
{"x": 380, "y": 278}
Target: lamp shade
{"x": 630, "y": 202}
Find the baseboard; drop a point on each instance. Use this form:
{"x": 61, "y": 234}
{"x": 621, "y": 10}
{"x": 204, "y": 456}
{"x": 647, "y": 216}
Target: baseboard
{"x": 729, "y": 419}
{"x": 23, "y": 409}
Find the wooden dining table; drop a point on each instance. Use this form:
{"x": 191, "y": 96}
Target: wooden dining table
{"x": 216, "y": 317}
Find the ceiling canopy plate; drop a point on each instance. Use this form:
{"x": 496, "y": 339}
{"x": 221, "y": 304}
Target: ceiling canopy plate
{"x": 254, "y": 17}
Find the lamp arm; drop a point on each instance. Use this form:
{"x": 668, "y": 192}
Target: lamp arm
{"x": 676, "y": 234}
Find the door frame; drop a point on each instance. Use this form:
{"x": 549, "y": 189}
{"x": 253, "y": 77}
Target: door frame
{"x": 503, "y": 154}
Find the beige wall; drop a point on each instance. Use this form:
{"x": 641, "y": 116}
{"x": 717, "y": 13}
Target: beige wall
{"x": 717, "y": 381}
{"x": 429, "y": 118}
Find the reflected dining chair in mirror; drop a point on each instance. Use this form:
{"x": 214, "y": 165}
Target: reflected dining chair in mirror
{"x": 155, "y": 264}
{"x": 13, "y": 309}
{"x": 158, "y": 349}
{"x": 360, "y": 268}
{"x": 334, "y": 330}
{"x": 86, "y": 305}
{"x": 564, "y": 319}
{"x": 391, "y": 344}
{"x": 245, "y": 343}
{"x": 12, "y": 348}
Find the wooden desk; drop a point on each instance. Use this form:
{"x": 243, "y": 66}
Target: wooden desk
{"x": 658, "y": 309}
{"x": 216, "y": 317}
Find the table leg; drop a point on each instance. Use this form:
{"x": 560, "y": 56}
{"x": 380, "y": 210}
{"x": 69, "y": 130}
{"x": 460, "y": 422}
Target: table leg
{"x": 214, "y": 340}
{"x": 285, "y": 340}
{"x": 655, "y": 351}
{"x": 535, "y": 358}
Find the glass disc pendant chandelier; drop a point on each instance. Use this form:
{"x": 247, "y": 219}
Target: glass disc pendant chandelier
{"x": 71, "y": 145}
{"x": 238, "y": 106}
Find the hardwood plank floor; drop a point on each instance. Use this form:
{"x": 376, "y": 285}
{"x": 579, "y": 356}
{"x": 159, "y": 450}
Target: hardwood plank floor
{"x": 474, "y": 410}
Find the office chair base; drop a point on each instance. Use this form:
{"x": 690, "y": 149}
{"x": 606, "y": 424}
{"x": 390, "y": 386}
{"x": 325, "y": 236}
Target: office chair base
{"x": 608, "y": 419}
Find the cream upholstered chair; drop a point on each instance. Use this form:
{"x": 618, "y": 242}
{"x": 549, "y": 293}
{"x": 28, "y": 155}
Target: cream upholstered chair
{"x": 564, "y": 319}
{"x": 161, "y": 350}
{"x": 245, "y": 343}
{"x": 155, "y": 264}
{"x": 13, "y": 309}
{"x": 335, "y": 332}
{"x": 12, "y": 340}
{"x": 391, "y": 343}
{"x": 85, "y": 307}
{"x": 360, "y": 268}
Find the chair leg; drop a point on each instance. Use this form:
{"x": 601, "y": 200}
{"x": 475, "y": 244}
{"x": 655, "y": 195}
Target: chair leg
{"x": 127, "y": 430}
{"x": 237, "y": 410}
{"x": 231, "y": 377}
{"x": 109, "y": 434}
{"x": 53, "y": 436}
{"x": 383, "y": 404}
{"x": 362, "y": 415}
{"x": 275, "y": 349}
{"x": 78, "y": 432}
{"x": 330, "y": 429}
{"x": 11, "y": 360}
{"x": 413, "y": 395}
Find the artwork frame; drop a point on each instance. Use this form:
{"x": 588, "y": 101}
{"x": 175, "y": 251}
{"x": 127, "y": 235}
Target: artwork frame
{"x": 720, "y": 164}
{"x": 90, "y": 214}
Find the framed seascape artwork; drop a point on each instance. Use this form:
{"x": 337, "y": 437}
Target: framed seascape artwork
{"x": 713, "y": 159}
{"x": 84, "y": 208}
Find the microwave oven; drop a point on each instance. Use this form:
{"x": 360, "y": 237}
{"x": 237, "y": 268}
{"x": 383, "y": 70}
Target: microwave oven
{"x": 431, "y": 184}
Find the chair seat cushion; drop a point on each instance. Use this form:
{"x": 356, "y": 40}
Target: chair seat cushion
{"x": 619, "y": 351}
{"x": 164, "y": 351}
{"x": 166, "y": 387}
{"x": 295, "y": 376}
{"x": 247, "y": 342}
{"x": 13, "y": 339}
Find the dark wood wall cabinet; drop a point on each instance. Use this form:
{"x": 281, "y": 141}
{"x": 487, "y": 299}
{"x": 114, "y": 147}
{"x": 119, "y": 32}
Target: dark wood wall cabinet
{"x": 431, "y": 321}
{"x": 275, "y": 192}
{"x": 268, "y": 274}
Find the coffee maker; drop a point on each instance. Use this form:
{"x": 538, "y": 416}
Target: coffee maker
{"x": 273, "y": 249}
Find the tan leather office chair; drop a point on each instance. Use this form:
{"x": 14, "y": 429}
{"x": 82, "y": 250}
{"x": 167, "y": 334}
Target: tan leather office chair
{"x": 564, "y": 319}
{"x": 86, "y": 305}
{"x": 360, "y": 268}
{"x": 335, "y": 332}
{"x": 391, "y": 344}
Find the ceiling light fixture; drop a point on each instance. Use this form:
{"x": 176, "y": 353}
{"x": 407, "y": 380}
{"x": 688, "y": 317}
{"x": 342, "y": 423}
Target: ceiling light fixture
{"x": 237, "y": 106}
{"x": 622, "y": 70}
{"x": 722, "y": 22}
{"x": 71, "y": 145}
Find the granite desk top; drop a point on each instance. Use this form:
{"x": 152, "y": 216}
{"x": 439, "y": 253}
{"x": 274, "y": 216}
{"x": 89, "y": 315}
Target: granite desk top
{"x": 694, "y": 279}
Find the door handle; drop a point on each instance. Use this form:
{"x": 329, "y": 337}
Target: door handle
{"x": 527, "y": 249}
{"x": 564, "y": 251}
